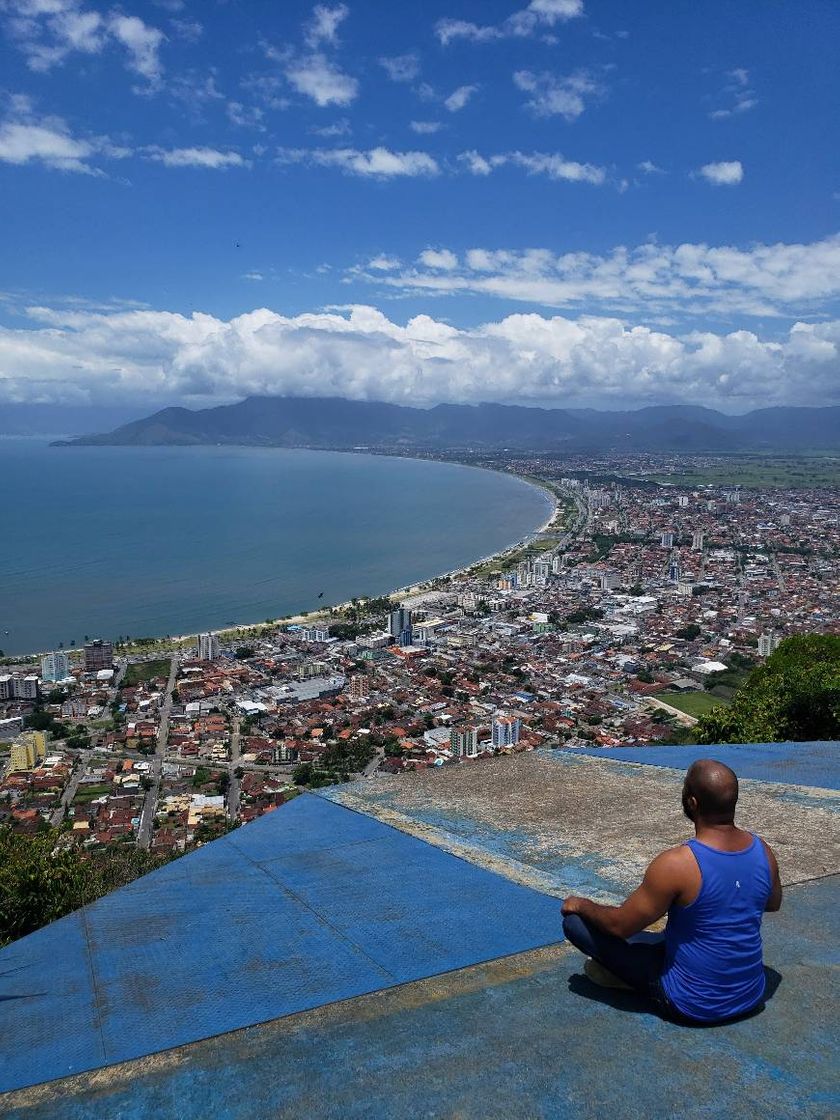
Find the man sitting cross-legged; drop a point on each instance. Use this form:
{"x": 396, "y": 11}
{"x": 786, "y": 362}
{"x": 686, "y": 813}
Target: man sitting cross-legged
{"x": 707, "y": 966}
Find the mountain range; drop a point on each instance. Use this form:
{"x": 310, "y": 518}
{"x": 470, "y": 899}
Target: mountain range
{"x": 335, "y": 423}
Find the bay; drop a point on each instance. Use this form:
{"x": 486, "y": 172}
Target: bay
{"x": 109, "y": 541}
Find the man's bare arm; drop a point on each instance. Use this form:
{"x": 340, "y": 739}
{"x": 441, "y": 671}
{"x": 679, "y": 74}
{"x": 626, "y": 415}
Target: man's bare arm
{"x": 774, "y": 902}
{"x": 645, "y": 905}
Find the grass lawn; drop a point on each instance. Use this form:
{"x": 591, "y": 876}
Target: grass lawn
{"x": 692, "y": 703}
{"x": 146, "y": 671}
{"x": 759, "y": 472}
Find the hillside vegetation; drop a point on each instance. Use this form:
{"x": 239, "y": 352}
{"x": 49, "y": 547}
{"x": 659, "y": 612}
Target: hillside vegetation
{"x": 794, "y": 695}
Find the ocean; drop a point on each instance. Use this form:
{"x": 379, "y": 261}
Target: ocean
{"x": 110, "y": 541}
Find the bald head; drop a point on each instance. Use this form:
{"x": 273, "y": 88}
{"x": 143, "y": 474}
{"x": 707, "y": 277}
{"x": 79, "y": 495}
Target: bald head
{"x": 710, "y": 792}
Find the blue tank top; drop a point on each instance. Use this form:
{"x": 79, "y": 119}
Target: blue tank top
{"x": 713, "y": 963}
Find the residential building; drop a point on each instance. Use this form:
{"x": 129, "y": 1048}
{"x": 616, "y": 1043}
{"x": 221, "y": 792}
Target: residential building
{"x": 697, "y": 538}
{"x": 55, "y": 666}
{"x": 463, "y": 742}
{"x": 767, "y": 643}
{"x": 667, "y": 540}
{"x": 399, "y": 626}
{"x": 10, "y": 728}
{"x": 99, "y": 654}
{"x": 505, "y": 730}
{"x": 7, "y": 687}
{"x": 209, "y": 647}
{"x": 358, "y": 686}
{"x": 28, "y": 750}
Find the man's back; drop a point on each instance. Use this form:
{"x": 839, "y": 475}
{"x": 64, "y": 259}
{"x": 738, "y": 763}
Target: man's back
{"x": 713, "y": 955}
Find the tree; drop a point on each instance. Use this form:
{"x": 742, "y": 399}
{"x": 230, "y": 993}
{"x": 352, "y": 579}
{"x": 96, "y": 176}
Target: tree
{"x": 794, "y": 695}
{"x": 688, "y": 633}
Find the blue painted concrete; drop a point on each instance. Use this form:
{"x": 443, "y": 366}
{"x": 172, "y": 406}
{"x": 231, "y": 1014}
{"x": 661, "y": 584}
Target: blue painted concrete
{"x": 539, "y": 1042}
{"x": 311, "y": 904}
{"x": 803, "y": 764}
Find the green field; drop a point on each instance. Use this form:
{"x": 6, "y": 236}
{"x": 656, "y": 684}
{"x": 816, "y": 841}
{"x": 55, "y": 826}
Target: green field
{"x": 145, "y": 671}
{"x": 758, "y": 472}
{"x": 692, "y": 703}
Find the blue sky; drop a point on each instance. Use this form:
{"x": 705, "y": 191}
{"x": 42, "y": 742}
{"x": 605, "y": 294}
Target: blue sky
{"x": 565, "y": 202}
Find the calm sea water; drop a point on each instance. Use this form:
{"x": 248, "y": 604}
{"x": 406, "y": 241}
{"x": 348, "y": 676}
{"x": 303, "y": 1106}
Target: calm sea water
{"x": 104, "y": 541}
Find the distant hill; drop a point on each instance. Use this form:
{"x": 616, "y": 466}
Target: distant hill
{"x": 331, "y": 422}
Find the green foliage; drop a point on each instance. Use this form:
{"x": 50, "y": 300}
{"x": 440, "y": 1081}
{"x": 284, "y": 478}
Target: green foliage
{"x": 143, "y": 671}
{"x": 244, "y": 653}
{"x": 40, "y": 882}
{"x": 585, "y": 614}
{"x": 794, "y": 695}
{"x": 688, "y": 633}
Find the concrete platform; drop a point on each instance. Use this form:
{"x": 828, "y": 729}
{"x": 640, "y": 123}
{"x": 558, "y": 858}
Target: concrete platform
{"x": 309, "y": 905}
{"x": 524, "y": 1038}
{"x": 566, "y": 822}
{"x": 414, "y": 971}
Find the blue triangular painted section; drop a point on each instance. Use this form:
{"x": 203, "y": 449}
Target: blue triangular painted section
{"x": 803, "y": 764}
{"x": 308, "y": 905}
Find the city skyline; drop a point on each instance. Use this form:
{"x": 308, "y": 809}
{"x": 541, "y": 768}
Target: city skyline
{"x": 563, "y": 202}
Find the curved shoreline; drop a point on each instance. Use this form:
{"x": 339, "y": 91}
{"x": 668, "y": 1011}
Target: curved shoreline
{"x": 162, "y": 644}
{"x": 407, "y": 589}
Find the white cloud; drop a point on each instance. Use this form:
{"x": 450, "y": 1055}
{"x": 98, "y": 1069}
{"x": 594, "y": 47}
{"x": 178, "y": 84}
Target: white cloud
{"x": 736, "y": 93}
{"x": 142, "y": 356}
{"x": 48, "y": 31}
{"x": 556, "y": 167}
{"x": 650, "y": 168}
{"x": 728, "y": 173}
{"x": 557, "y": 96}
{"x": 331, "y": 131}
{"x": 650, "y": 279}
{"x": 378, "y": 163}
{"x": 459, "y": 98}
{"x": 551, "y": 164}
{"x": 27, "y": 138}
{"x": 401, "y": 68}
{"x": 539, "y": 15}
{"x": 438, "y": 259}
{"x": 317, "y": 77}
{"x": 245, "y": 116}
{"x": 196, "y": 157}
{"x": 425, "y": 128}
{"x": 384, "y": 263}
{"x": 48, "y": 143}
{"x": 323, "y": 27}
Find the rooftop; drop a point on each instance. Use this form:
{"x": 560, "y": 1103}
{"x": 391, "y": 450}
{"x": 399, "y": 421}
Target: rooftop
{"x": 393, "y": 948}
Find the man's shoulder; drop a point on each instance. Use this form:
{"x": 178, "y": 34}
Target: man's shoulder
{"x": 676, "y": 861}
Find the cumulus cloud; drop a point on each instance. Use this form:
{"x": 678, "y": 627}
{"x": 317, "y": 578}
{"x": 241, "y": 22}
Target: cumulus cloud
{"x": 728, "y": 173}
{"x": 317, "y": 77}
{"x": 138, "y": 356}
{"x": 551, "y": 164}
{"x": 538, "y": 16}
{"x": 443, "y": 259}
{"x": 196, "y": 157}
{"x": 323, "y": 27}
{"x": 459, "y": 97}
{"x": 666, "y": 280}
{"x": 557, "y": 96}
{"x": 402, "y": 67}
{"x": 425, "y": 128}
{"x": 48, "y": 31}
{"x": 27, "y": 138}
{"x": 378, "y": 163}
